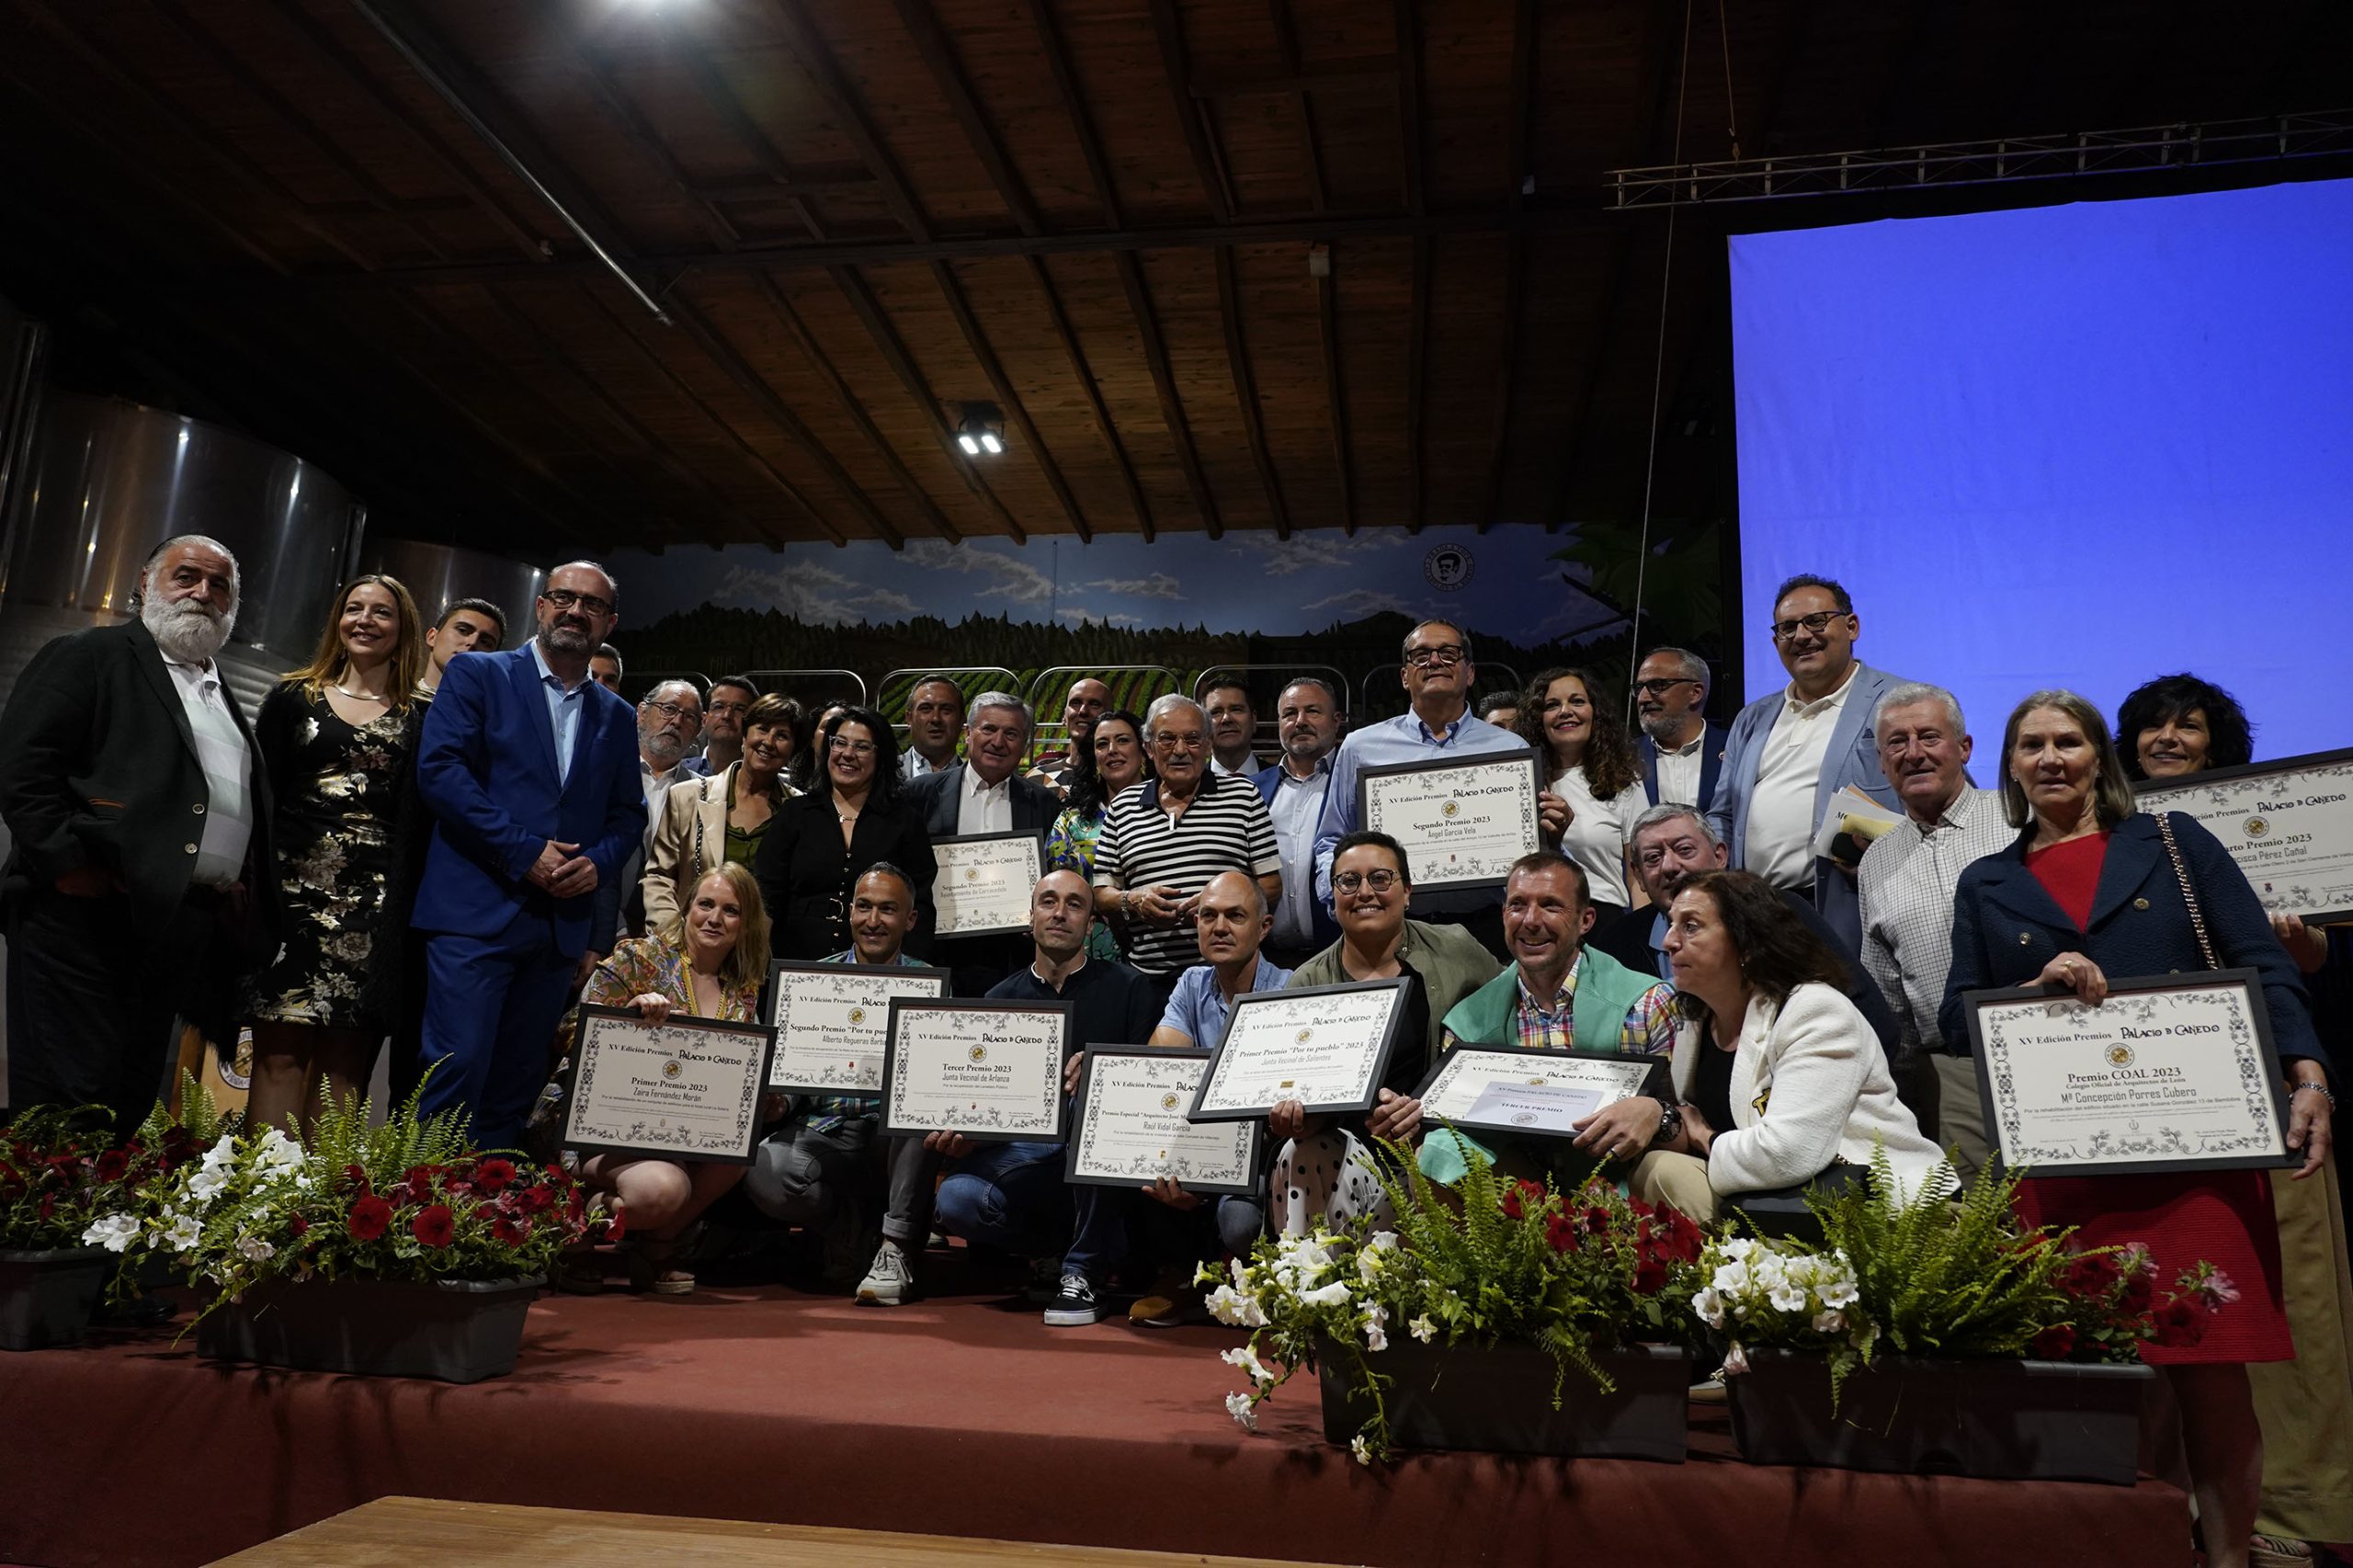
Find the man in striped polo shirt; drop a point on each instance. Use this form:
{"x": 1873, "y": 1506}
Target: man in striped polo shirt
{"x": 1164, "y": 838}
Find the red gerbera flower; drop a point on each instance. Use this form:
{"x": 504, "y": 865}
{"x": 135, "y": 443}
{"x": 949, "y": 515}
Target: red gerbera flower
{"x": 510, "y": 1233}
{"x": 435, "y": 1226}
{"x": 367, "y": 1218}
{"x": 113, "y": 1164}
{"x": 494, "y": 1176}
{"x": 2055, "y": 1343}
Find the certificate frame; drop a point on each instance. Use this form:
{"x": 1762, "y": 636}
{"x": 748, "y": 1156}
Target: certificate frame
{"x": 2247, "y": 827}
{"x": 1224, "y": 1059}
{"x": 783, "y": 1075}
{"x": 588, "y": 1132}
{"x": 1430, "y": 873}
{"x": 1036, "y": 843}
{"x": 895, "y": 1122}
{"x": 2249, "y": 1036}
{"x": 1082, "y": 1160}
{"x": 1651, "y": 1081}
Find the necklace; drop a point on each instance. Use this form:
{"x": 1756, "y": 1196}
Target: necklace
{"x": 363, "y": 696}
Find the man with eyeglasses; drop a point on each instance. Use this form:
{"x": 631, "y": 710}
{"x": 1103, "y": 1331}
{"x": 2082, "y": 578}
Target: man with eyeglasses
{"x": 1164, "y": 839}
{"x": 1791, "y": 752}
{"x": 667, "y": 723}
{"x": 1437, "y": 671}
{"x": 1681, "y": 753}
{"x": 531, "y": 770}
{"x": 722, "y": 726}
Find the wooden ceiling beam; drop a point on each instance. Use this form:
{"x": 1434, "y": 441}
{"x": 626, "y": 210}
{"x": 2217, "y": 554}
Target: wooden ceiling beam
{"x": 719, "y": 96}
{"x": 1327, "y": 314}
{"x": 641, "y": 133}
{"x": 884, "y": 447}
{"x": 1192, "y": 114}
{"x": 1081, "y": 124}
{"x": 932, "y": 44}
{"x": 1101, "y": 413}
{"x": 871, "y": 315}
{"x": 444, "y": 157}
{"x": 1246, "y": 391}
{"x": 1515, "y": 172}
{"x": 1164, "y": 382}
{"x": 1297, "y": 77}
{"x": 1008, "y": 397}
{"x": 817, "y": 63}
{"x": 1416, "y": 356}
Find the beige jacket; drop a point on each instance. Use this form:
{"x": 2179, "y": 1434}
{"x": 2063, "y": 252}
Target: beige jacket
{"x": 689, "y": 839}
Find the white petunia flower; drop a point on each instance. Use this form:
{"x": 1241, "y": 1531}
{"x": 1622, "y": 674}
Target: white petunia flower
{"x": 1336, "y": 1294}
{"x": 1423, "y": 1329}
{"x": 1710, "y": 1306}
{"x": 181, "y": 1232}
{"x": 1376, "y": 1333}
{"x": 1787, "y": 1299}
{"x": 1735, "y": 1360}
{"x": 1242, "y": 1356}
{"x": 1363, "y": 1451}
{"x": 1245, "y": 1416}
{"x": 112, "y": 1232}
{"x": 255, "y": 1250}
{"x": 1838, "y": 1292}
{"x": 1829, "y": 1322}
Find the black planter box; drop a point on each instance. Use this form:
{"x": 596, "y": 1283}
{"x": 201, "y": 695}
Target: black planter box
{"x": 458, "y": 1331}
{"x": 46, "y": 1298}
{"x": 2001, "y": 1420}
{"x": 1500, "y": 1401}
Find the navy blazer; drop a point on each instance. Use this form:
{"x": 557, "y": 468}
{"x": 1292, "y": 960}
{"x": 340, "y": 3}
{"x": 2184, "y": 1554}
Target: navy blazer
{"x": 2005, "y": 927}
{"x": 1712, "y": 763}
{"x": 486, "y": 770}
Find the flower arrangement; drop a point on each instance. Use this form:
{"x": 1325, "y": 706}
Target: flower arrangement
{"x": 58, "y": 1170}
{"x": 408, "y": 1200}
{"x": 1571, "y": 1273}
{"x": 2120, "y": 1306}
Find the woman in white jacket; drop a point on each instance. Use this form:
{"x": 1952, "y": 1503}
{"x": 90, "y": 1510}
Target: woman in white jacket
{"x": 1779, "y": 1077}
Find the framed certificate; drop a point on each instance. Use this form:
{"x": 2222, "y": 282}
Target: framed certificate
{"x": 833, "y": 1019}
{"x": 992, "y": 1070}
{"x": 1131, "y": 1125}
{"x": 1538, "y": 1092}
{"x": 983, "y": 883}
{"x": 2175, "y": 1073}
{"x": 687, "y": 1089}
{"x": 1462, "y": 823}
{"x": 1326, "y": 1046}
{"x": 2287, "y": 823}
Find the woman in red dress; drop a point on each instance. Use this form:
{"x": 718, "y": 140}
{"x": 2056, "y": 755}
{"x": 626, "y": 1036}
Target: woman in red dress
{"x": 2091, "y": 887}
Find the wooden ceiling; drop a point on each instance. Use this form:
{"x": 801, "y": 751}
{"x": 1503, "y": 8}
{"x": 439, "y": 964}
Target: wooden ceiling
{"x": 1222, "y": 263}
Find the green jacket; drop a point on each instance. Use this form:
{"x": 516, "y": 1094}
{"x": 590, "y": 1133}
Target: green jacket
{"x": 1452, "y": 963}
{"x": 1606, "y": 991}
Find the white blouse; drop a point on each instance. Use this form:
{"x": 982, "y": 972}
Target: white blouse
{"x": 1597, "y": 835}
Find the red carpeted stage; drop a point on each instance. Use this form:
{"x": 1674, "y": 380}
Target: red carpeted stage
{"x": 958, "y": 1415}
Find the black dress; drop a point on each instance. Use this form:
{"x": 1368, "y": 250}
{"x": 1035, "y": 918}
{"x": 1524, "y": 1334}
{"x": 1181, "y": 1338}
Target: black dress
{"x": 338, "y": 790}
{"x": 806, "y": 872}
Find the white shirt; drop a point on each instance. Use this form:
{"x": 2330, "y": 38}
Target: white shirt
{"x": 1251, "y": 766}
{"x": 1679, "y": 771}
{"x": 1779, "y": 846}
{"x": 1597, "y": 835}
{"x": 913, "y": 764}
{"x": 984, "y": 808}
{"x": 656, "y": 787}
{"x": 1906, "y": 886}
{"x": 228, "y": 765}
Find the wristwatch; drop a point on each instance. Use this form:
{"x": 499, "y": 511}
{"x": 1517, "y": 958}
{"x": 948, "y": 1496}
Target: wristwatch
{"x": 1670, "y": 1124}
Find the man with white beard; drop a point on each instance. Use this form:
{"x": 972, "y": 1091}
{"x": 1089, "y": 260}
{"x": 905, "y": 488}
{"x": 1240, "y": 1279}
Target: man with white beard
{"x": 139, "y": 883}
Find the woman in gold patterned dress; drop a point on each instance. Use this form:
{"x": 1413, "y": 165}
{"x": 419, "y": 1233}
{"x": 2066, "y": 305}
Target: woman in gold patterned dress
{"x": 336, "y": 739}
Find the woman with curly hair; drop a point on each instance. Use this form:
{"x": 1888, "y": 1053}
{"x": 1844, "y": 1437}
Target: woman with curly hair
{"x": 1589, "y": 762}
{"x": 2177, "y": 724}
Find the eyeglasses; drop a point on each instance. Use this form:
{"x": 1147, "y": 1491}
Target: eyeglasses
{"x": 1443, "y": 654}
{"x": 1177, "y": 743}
{"x": 1655, "y": 688}
{"x": 674, "y": 710}
{"x": 1378, "y": 882}
{"x": 856, "y": 748}
{"x": 1816, "y": 623}
{"x": 564, "y": 598}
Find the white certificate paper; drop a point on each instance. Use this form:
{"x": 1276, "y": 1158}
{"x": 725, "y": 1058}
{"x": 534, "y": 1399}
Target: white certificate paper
{"x": 1132, "y": 1126}
{"x": 833, "y": 1021}
{"x": 984, "y": 881}
{"x": 1462, "y": 823}
{"x": 2169, "y": 1073}
{"x": 988, "y": 1070}
{"x": 2288, "y": 824}
{"x": 687, "y": 1089}
{"x": 1325, "y": 1047}
{"x": 1532, "y": 1091}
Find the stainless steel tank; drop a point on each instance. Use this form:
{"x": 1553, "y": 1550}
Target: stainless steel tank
{"x": 439, "y": 575}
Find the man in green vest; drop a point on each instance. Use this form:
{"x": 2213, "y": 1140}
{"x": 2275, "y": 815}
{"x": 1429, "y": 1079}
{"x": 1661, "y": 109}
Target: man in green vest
{"x": 1558, "y": 994}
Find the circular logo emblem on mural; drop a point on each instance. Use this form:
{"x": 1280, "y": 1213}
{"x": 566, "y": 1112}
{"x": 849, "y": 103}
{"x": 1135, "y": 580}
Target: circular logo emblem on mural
{"x": 2255, "y": 827}
{"x": 2119, "y": 1056}
{"x": 1447, "y": 567}
{"x": 858, "y": 1014}
{"x": 1451, "y": 808}
{"x": 671, "y": 1069}
{"x": 978, "y": 1054}
{"x": 1170, "y": 1101}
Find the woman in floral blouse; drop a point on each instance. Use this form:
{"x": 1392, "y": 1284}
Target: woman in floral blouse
{"x": 708, "y": 961}
{"x": 1113, "y": 760}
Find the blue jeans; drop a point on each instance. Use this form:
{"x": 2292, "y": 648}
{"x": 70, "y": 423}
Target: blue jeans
{"x": 1013, "y": 1196}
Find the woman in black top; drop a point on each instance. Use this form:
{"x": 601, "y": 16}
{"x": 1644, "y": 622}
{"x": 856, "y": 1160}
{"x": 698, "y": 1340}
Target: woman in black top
{"x": 817, "y": 845}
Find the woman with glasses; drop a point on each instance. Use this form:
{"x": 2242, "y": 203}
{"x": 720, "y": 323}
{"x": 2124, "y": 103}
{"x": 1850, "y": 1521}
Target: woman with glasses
{"x": 1113, "y": 758}
{"x": 720, "y": 819}
{"x": 817, "y": 843}
{"x": 1567, "y": 716}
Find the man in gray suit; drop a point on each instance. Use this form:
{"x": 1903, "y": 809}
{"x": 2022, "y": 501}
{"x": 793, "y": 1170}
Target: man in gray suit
{"x": 1791, "y": 751}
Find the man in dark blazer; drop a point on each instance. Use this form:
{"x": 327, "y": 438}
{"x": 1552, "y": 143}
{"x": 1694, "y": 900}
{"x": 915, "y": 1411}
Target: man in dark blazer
{"x": 140, "y": 882}
{"x": 984, "y": 794}
{"x": 1670, "y": 703}
{"x": 529, "y": 768}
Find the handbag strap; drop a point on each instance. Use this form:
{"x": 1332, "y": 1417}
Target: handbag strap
{"x": 2188, "y": 894}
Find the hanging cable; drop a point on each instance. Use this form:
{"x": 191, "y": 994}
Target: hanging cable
{"x": 1732, "y": 106}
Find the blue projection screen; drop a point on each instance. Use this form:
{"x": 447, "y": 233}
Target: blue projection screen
{"x": 2072, "y": 446}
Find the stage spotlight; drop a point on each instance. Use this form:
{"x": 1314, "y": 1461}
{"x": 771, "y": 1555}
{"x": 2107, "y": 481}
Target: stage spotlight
{"x": 980, "y": 430}
{"x": 971, "y": 444}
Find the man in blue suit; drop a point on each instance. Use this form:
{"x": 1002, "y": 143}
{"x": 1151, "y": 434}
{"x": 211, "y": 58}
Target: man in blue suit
{"x": 1680, "y": 752}
{"x": 529, "y": 768}
{"x": 1791, "y": 751}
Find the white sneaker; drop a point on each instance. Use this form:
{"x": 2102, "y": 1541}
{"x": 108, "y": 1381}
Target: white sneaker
{"x": 891, "y": 1279}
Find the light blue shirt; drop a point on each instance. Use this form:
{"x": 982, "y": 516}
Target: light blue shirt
{"x": 1297, "y": 808}
{"x": 1199, "y": 1008}
{"x": 565, "y": 707}
{"x": 1403, "y": 739}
